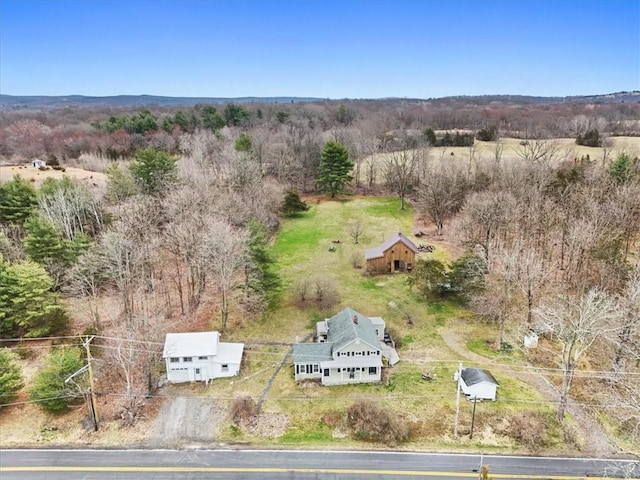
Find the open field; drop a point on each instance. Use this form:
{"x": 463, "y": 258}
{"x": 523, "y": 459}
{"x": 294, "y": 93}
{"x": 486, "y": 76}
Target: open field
{"x": 485, "y": 152}
{"x": 93, "y": 180}
{"x": 314, "y": 413}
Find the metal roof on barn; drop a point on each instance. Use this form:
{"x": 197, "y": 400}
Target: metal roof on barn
{"x": 378, "y": 252}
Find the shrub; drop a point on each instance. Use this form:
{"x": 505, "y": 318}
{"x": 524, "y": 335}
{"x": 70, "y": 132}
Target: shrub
{"x": 243, "y": 410}
{"x": 529, "y": 429}
{"x": 590, "y": 139}
{"x": 488, "y": 134}
{"x": 372, "y": 423}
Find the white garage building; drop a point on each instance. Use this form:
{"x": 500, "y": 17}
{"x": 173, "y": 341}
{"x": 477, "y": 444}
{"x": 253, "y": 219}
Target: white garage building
{"x": 200, "y": 357}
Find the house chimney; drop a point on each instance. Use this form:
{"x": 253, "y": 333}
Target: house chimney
{"x": 355, "y": 319}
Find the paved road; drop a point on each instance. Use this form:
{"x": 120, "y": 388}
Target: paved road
{"x": 292, "y": 465}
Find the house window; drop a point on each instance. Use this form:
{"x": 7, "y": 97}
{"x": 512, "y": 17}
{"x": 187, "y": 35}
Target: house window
{"x": 225, "y": 367}
{"x": 339, "y": 370}
{"x": 174, "y": 359}
{"x": 326, "y": 372}
{"x": 373, "y": 371}
{"x": 316, "y": 368}
{"x": 187, "y": 359}
{"x": 202, "y": 358}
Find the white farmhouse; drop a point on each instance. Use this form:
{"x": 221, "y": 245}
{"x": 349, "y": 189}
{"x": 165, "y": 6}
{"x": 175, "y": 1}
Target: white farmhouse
{"x": 200, "y": 357}
{"x": 477, "y": 383}
{"x": 348, "y": 350}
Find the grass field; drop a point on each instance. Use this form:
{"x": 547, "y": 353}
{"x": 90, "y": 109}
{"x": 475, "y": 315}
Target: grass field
{"x": 484, "y": 152}
{"x": 315, "y": 413}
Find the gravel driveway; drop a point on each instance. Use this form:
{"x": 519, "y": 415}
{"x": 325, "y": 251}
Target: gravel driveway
{"x": 187, "y": 420}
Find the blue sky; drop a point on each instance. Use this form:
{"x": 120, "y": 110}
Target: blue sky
{"x": 327, "y": 49}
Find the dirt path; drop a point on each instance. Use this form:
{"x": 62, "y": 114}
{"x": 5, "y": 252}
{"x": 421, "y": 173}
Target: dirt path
{"x": 595, "y": 442}
{"x": 187, "y": 420}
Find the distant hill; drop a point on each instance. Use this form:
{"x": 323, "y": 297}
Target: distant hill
{"x": 40, "y": 101}
{"x": 27, "y": 102}
{"x": 618, "y": 97}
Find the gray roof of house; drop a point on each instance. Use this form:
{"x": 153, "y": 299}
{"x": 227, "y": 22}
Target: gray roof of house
{"x": 344, "y": 330}
{"x": 378, "y": 252}
{"x": 472, "y": 376}
{"x": 311, "y": 352}
{"x": 191, "y": 344}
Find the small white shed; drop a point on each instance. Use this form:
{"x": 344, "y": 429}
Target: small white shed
{"x": 37, "y": 163}
{"x": 200, "y": 357}
{"x": 478, "y": 383}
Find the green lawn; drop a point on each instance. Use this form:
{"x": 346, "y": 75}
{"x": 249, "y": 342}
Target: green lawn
{"x": 302, "y": 251}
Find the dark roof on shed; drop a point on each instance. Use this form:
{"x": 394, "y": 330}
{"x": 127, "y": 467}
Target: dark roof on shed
{"x": 472, "y": 376}
{"x": 378, "y": 252}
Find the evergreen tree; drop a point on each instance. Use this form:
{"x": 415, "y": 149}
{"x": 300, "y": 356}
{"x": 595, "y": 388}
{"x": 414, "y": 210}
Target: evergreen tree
{"x": 49, "y": 388}
{"x": 467, "y": 275}
{"x": 590, "y": 139}
{"x": 10, "y": 377}
{"x": 235, "y": 115}
{"x": 153, "y": 171}
{"x": 28, "y": 307}
{"x": 18, "y": 198}
{"x": 261, "y": 278}
{"x": 211, "y": 119}
{"x": 335, "y": 168}
{"x": 623, "y": 168}
{"x": 430, "y": 135}
{"x": 429, "y": 278}
{"x": 243, "y": 143}
{"x": 293, "y": 203}
{"x": 120, "y": 184}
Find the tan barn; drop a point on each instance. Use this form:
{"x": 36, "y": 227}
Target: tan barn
{"x": 396, "y": 254}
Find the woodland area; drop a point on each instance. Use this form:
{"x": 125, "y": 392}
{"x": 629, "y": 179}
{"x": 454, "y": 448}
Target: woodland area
{"x": 542, "y": 200}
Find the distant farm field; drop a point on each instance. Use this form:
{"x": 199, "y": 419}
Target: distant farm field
{"x": 485, "y": 152}
{"x": 93, "y": 180}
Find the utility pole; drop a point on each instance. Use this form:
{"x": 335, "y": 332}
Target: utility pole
{"x": 92, "y": 393}
{"x": 473, "y": 415}
{"x": 458, "y": 375}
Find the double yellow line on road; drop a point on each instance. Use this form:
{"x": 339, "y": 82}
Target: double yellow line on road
{"x": 337, "y": 471}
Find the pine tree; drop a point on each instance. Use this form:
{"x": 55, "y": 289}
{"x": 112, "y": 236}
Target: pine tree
{"x": 335, "y": 168}
{"x": 10, "y": 377}
{"x": 49, "y": 389}
{"x": 18, "y": 198}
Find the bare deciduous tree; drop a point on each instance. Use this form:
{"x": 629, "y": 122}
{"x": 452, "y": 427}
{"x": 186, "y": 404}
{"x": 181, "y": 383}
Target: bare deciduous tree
{"x": 225, "y": 254}
{"x": 441, "y": 195}
{"x": 484, "y": 214}
{"x": 400, "y": 170}
{"x": 539, "y": 150}
{"x": 576, "y": 323}
{"x": 355, "y": 226}
{"x": 84, "y": 280}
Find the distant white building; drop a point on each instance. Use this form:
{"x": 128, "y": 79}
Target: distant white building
{"x": 200, "y": 357}
{"x": 477, "y": 383}
{"x": 37, "y": 163}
